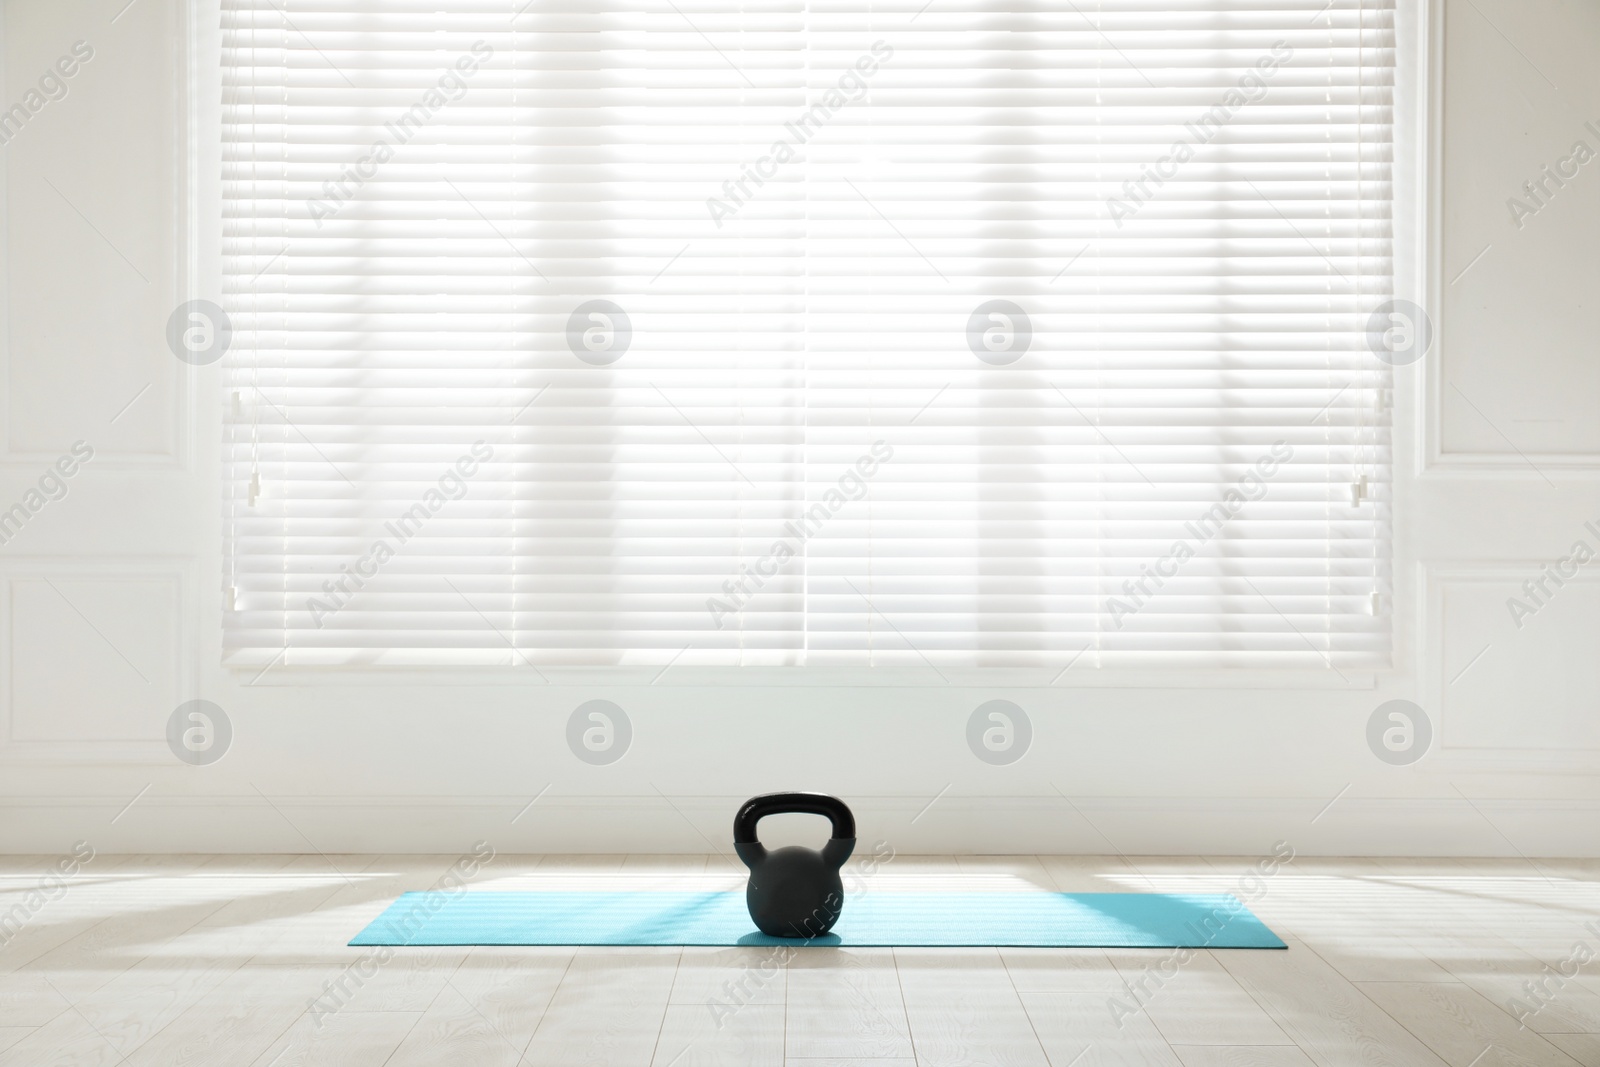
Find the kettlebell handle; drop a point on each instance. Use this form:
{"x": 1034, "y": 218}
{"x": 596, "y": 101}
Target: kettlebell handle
{"x": 757, "y": 808}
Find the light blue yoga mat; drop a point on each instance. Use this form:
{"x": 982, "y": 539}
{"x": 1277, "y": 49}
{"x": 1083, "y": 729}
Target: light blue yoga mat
{"x": 906, "y": 920}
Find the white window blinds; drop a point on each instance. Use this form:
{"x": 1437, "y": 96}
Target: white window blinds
{"x": 804, "y": 332}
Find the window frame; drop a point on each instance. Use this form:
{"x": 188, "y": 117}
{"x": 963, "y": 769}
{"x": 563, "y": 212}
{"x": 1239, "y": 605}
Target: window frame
{"x": 1417, "y": 224}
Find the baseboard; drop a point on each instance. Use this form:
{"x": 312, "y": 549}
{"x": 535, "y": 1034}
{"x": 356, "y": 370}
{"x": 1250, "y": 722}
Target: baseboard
{"x": 961, "y": 825}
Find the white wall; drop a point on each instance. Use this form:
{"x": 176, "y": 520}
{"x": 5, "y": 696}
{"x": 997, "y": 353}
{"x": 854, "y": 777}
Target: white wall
{"x": 110, "y": 599}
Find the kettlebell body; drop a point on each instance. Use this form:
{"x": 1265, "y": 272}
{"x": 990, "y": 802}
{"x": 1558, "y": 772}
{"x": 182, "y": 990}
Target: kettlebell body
{"x": 794, "y": 891}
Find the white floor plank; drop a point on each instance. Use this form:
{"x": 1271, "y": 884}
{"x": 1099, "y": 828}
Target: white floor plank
{"x": 728, "y": 977}
{"x": 1062, "y": 970}
{"x": 1085, "y": 1028}
{"x": 690, "y": 1037}
{"x": 455, "y": 1029}
{"x": 846, "y": 1004}
{"x": 962, "y": 1009}
{"x": 608, "y": 1009}
{"x": 1322, "y": 1012}
{"x": 231, "y": 1026}
{"x": 1201, "y": 1004}
{"x": 1585, "y": 1048}
{"x": 28, "y": 1000}
{"x": 349, "y": 1039}
{"x": 1460, "y": 1025}
{"x": 1242, "y": 1056}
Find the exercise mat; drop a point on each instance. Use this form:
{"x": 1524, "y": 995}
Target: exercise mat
{"x": 874, "y": 918}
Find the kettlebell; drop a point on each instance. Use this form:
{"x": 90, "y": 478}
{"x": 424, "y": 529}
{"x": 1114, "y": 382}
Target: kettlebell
{"x": 794, "y": 891}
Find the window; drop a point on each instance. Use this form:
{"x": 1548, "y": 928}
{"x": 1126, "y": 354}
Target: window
{"x": 944, "y": 333}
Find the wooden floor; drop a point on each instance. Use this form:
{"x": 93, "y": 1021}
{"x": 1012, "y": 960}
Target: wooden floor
{"x": 172, "y": 961}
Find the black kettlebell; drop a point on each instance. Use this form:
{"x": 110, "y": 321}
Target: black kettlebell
{"x": 794, "y": 891}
